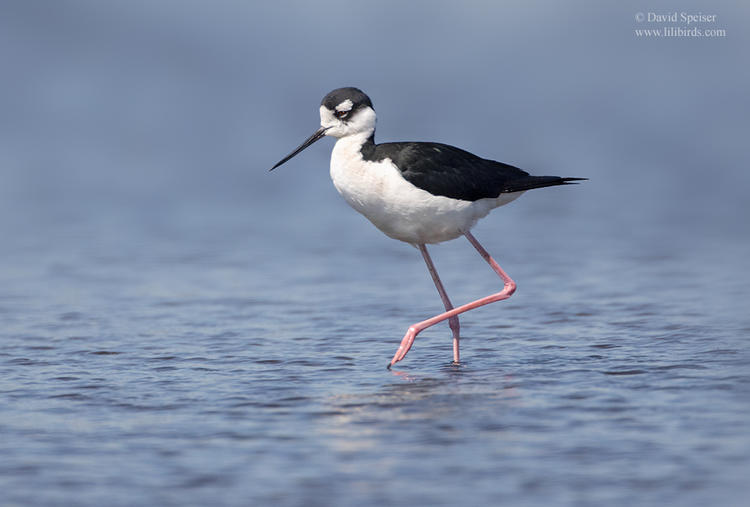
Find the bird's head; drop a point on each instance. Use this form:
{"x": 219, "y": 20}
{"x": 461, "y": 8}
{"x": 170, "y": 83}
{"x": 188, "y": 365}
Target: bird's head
{"x": 343, "y": 112}
{"x": 346, "y": 111}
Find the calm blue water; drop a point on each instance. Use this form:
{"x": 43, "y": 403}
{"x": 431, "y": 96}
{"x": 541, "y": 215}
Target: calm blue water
{"x": 180, "y": 327}
{"x": 207, "y": 362}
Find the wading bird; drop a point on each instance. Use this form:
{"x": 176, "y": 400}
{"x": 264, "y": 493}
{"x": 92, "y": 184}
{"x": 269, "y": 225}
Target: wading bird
{"x": 416, "y": 192}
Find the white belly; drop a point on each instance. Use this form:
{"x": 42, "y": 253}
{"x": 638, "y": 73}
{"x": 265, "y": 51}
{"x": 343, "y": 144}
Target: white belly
{"x": 398, "y": 208}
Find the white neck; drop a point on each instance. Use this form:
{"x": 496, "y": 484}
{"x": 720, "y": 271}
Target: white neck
{"x": 357, "y": 139}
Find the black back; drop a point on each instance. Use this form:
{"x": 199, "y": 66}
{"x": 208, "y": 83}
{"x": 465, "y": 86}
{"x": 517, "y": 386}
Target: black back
{"x": 448, "y": 171}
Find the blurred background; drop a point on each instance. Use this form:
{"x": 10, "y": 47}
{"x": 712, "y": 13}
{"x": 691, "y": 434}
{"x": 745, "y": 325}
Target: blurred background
{"x": 138, "y": 217}
{"x": 142, "y": 110}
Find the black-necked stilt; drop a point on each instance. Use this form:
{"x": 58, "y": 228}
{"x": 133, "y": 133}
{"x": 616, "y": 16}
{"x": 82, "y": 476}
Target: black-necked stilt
{"x": 419, "y": 193}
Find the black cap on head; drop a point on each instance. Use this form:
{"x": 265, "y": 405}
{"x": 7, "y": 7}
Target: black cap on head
{"x": 339, "y": 95}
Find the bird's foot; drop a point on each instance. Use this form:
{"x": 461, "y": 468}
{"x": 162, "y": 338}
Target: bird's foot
{"x": 406, "y": 344}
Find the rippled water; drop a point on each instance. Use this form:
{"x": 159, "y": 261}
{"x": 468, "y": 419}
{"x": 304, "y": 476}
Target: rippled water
{"x": 220, "y": 362}
{"x": 180, "y": 327}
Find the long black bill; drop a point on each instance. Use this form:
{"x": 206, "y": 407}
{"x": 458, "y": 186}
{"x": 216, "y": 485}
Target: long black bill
{"x": 310, "y": 140}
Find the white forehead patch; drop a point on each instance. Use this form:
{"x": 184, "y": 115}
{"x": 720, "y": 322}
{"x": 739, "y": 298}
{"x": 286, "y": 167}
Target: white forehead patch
{"x": 345, "y": 106}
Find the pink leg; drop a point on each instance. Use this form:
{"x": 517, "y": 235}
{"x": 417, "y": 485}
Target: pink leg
{"x": 453, "y": 321}
{"x": 509, "y": 287}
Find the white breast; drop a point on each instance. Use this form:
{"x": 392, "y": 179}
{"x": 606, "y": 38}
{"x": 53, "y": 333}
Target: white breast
{"x": 396, "y": 207}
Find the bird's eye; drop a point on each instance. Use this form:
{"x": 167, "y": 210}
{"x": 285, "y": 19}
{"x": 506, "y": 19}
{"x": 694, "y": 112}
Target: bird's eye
{"x": 341, "y": 114}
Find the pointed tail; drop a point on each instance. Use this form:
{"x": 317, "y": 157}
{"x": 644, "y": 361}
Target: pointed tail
{"x": 531, "y": 182}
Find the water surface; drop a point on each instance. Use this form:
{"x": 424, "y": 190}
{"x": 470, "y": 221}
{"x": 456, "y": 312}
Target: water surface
{"x": 180, "y": 327}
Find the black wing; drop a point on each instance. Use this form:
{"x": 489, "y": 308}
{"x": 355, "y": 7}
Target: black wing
{"x": 445, "y": 170}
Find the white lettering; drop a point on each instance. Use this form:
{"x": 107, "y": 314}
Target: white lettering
{"x": 662, "y": 18}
